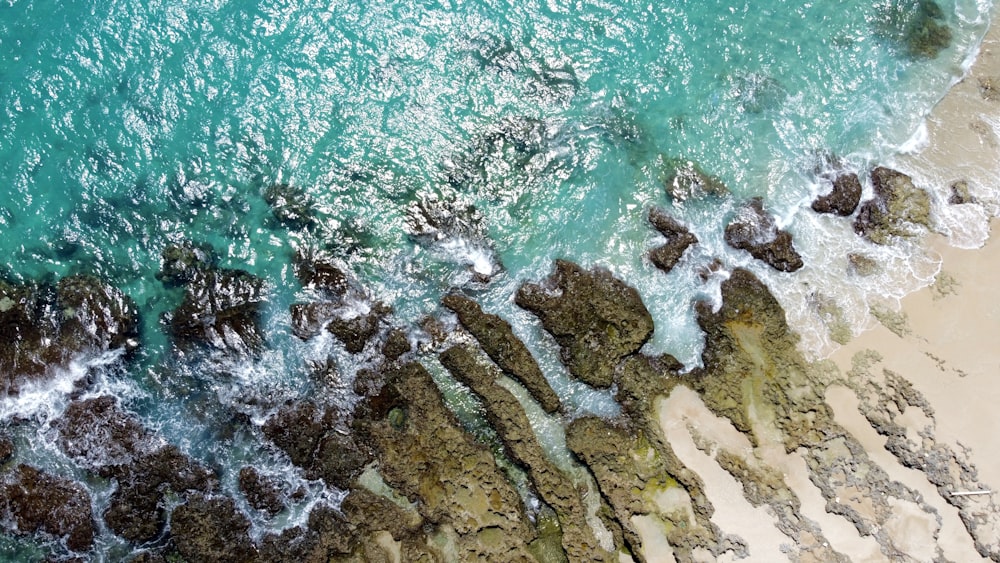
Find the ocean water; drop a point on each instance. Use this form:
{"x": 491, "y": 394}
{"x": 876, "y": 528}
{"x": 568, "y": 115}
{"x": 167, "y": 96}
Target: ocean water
{"x": 130, "y": 125}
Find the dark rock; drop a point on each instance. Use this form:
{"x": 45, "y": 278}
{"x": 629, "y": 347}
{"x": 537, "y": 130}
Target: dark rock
{"x": 32, "y": 501}
{"x": 221, "y": 311}
{"x": 262, "y": 492}
{"x": 44, "y": 326}
{"x": 497, "y": 339}
{"x": 755, "y": 231}
{"x": 101, "y": 437}
{"x": 308, "y": 318}
{"x": 291, "y": 206}
{"x": 6, "y": 449}
{"x": 211, "y": 529}
{"x": 896, "y": 205}
{"x": 597, "y": 319}
{"x": 310, "y": 438}
{"x": 960, "y": 194}
{"x": 297, "y": 429}
{"x": 136, "y": 511}
{"x": 355, "y": 332}
{"x": 396, "y": 344}
{"x": 844, "y": 198}
{"x": 96, "y": 433}
{"x": 314, "y": 269}
{"x": 679, "y": 238}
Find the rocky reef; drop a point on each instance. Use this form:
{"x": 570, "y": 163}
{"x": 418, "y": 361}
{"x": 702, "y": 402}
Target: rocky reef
{"x": 754, "y": 230}
{"x": 44, "y": 326}
{"x": 896, "y": 208}
{"x": 407, "y": 475}
{"x": 221, "y": 306}
{"x": 679, "y": 238}
{"x": 596, "y": 319}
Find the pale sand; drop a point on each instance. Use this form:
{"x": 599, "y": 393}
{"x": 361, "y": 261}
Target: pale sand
{"x": 948, "y": 348}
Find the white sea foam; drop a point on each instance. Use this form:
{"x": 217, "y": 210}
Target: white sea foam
{"x": 46, "y": 398}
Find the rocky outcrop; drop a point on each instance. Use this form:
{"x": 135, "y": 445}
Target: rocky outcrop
{"x": 308, "y": 434}
{"x": 356, "y": 331}
{"x": 211, "y": 529}
{"x": 497, "y": 339}
{"x": 754, "y": 375}
{"x": 262, "y": 491}
{"x": 679, "y": 238}
{"x": 44, "y": 326}
{"x": 843, "y": 199}
{"x": 754, "y": 230}
{"x": 33, "y": 501}
{"x": 597, "y": 319}
{"x": 101, "y": 437}
{"x": 426, "y": 456}
{"x": 221, "y": 306}
{"x": 507, "y": 417}
{"x": 897, "y": 207}
{"x": 635, "y": 478}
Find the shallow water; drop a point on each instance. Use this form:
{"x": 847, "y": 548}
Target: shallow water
{"x": 131, "y": 125}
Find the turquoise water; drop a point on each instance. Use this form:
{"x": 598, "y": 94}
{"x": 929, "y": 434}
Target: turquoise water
{"x": 129, "y": 125}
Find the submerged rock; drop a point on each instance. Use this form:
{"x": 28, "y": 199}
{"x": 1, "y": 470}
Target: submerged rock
{"x": 220, "y": 308}
{"x": 918, "y": 27}
{"x": 497, "y": 339}
{"x": 211, "y": 529}
{"x": 44, "y": 326}
{"x": 32, "y": 501}
{"x": 896, "y": 207}
{"x": 597, "y": 319}
{"x": 685, "y": 179}
{"x": 844, "y": 198}
{"x": 755, "y": 231}
{"x": 679, "y": 238}
{"x": 183, "y": 263}
{"x": 291, "y": 206}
